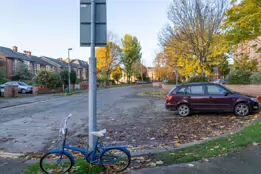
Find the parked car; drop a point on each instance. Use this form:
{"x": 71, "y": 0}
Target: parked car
{"x": 22, "y": 87}
{"x": 209, "y": 97}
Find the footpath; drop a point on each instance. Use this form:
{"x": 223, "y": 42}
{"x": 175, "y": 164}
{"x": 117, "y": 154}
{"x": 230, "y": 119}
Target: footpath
{"x": 246, "y": 161}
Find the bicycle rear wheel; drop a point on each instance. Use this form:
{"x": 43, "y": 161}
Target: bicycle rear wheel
{"x": 55, "y": 162}
{"x": 115, "y": 159}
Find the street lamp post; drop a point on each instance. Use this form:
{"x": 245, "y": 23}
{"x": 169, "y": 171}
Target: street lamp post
{"x": 69, "y": 70}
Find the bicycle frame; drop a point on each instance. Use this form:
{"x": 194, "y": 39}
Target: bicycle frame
{"x": 84, "y": 152}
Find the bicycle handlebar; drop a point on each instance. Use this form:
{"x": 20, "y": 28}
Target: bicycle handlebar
{"x": 62, "y": 129}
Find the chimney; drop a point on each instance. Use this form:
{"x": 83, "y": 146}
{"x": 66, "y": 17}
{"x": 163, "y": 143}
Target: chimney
{"x": 29, "y": 53}
{"x": 15, "y": 49}
{"x": 87, "y": 62}
{"x": 60, "y": 59}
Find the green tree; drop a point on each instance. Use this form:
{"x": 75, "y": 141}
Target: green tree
{"x": 131, "y": 53}
{"x": 117, "y": 73}
{"x": 64, "y": 76}
{"x": 139, "y": 70}
{"x": 22, "y": 73}
{"x": 246, "y": 64}
{"x": 243, "y": 21}
{"x": 239, "y": 77}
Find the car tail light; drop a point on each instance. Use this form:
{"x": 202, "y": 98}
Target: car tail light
{"x": 169, "y": 98}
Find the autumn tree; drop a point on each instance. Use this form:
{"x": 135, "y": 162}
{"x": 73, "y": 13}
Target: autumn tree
{"x": 191, "y": 36}
{"x": 117, "y": 73}
{"x": 243, "y": 21}
{"x": 108, "y": 58}
{"x": 131, "y": 53}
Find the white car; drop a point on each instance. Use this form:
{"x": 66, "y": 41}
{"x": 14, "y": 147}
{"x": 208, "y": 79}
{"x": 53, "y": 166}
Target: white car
{"x": 22, "y": 87}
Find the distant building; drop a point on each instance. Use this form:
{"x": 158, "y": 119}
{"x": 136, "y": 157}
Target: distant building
{"x": 151, "y": 71}
{"x": 251, "y": 49}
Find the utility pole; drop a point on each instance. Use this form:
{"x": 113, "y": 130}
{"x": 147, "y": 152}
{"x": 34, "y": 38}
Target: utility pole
{"x": 93, "y": 33}
{"x": 177, "y": 75}
{"x": 92, "y": 82}
{"x": 69, "y": 70}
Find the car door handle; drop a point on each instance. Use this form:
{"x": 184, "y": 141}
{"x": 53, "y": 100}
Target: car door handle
{"x": 188, "y": 97}
{"x": 210, "y": 97}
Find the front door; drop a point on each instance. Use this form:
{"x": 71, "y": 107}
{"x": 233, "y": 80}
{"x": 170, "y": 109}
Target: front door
{"x": 218, "y": 98}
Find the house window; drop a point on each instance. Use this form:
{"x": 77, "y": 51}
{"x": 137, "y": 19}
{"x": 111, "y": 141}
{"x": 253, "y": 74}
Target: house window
{"x": 14, "y": 65}
{"x": 54, "y": 69}
{"x": 48, "y": 68}
{"x": 38, "y": 67}
{"x": 27, "y": 63}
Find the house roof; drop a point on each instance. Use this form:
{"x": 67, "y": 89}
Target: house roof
{"x": 12, "y": 54}
{"x": 37, "y": 60}
{"x": 82, "y": 64}
{"x": 57, "y": 61}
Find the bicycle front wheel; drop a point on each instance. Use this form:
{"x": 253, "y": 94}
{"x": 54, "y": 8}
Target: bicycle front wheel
{"x": 56, "y": 162}
{"x": 115, "y": 159}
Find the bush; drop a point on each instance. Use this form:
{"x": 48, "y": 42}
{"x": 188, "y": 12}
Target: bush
{"x": 198, "y": 79}
{"x": 64, "y": 76}
{"x": 50, "y": 79}
{"x": 239, "y": 77}
{"x": 2, "y": 75}
{"x": 255, "y": 78}
{"x": 22, "y": 73}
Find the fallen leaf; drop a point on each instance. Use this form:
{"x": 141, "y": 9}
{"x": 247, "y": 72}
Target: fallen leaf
{"x": 177, "y": 144}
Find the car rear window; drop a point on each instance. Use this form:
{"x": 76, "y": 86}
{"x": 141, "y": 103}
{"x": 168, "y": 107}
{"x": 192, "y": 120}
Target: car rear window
{"x": 181, "y": 91}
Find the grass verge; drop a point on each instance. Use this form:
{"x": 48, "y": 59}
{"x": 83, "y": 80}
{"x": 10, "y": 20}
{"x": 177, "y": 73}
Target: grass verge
{"x": 154, "y": 94}
{"x": 68, "y": 94}
{"x": 80, "y": 167}
{"x": 249, "y": 136}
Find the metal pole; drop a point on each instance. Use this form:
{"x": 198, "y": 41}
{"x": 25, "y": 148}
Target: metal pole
{"x": 177, "y": 76}
{"x": 69, "y": 71}
{"x": 92, "y": 82}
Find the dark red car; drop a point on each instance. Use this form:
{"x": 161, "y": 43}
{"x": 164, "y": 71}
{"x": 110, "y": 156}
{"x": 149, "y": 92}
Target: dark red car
{"x": 209, "y": 97}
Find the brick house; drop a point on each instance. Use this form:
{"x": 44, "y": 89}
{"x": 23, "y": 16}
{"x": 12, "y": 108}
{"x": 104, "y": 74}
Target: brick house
{"x": 12, "y": 59}
{"x": 58, "y": 63}
{"x": 81, "y": 67}
{"x": 251, "y": 49}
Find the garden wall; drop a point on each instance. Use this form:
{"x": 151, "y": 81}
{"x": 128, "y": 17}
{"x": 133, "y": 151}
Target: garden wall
{"x": 252, "y": 90}
{"x": 157, "y": 84}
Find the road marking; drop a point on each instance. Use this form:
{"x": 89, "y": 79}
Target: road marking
{"x": 10, "y": 155}
{"x": 28, "y": 104}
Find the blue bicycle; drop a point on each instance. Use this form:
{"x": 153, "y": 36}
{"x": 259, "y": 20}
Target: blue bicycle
{"x": 116, "y": 159}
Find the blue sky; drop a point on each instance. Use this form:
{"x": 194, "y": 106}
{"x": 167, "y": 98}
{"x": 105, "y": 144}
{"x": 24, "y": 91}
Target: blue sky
{"x": 49, "y": 27}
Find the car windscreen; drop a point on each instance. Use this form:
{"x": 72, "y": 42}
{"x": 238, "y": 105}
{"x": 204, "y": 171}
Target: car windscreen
{"x": 22, "y": 84}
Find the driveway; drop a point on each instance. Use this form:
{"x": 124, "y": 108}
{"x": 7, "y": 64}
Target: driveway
{"x": 31, "y": 128}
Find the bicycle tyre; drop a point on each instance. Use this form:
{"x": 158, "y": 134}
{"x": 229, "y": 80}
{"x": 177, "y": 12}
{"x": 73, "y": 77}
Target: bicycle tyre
{"x": 104, "y": 157}
{"x": 55, "y": 153}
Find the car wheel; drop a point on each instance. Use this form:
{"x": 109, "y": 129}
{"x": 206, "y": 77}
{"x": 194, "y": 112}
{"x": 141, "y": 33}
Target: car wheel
{"x": 242, "y": 109}
{"x": 23, "y": 91}
{"x": 183, "y": 110}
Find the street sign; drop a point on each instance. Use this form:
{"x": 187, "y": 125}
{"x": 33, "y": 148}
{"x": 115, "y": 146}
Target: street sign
{"x": 100, "y": 23}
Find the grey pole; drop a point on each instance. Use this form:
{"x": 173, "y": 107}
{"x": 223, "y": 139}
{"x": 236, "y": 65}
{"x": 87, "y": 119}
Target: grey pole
{"x": 177, "y": 76}
{"x": 92, "y": 82}
{"x": 69, "y": 70}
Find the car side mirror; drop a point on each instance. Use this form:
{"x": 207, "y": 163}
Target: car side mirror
{"x": 226, "y": 93}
